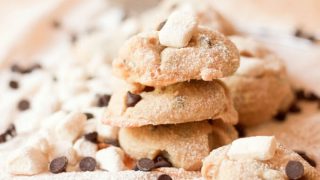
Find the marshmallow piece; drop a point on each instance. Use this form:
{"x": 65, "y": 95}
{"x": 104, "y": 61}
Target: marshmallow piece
{"x": 257, "y": 148}
{"x": 28, "y": 161}
{"x": 63, "y": 148}
{"x": 70, "y": 127}
{"x": 106, "y": 131}
{"x": 111, "y": 159}
{"x": 40, "y": 143}
{"x": 85, "y": 148}
{"x": 178, "y": 29}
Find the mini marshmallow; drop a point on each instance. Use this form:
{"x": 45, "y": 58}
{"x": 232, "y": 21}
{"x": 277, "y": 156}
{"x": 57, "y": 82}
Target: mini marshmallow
{"x": 258, "y": 148}
{"x": 111, "y": 159}
{"x": 85, "y": 148}
{"x": 178, "y": 29}
{"x": 106, "y": 131}
{"x": 28, "y": 161}
{"x": 70, "y": 127}
{"x": 63, "y": 148}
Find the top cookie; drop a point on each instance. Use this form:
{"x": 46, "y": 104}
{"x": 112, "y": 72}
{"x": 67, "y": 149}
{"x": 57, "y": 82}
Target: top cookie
{"x": 207, "y": 56}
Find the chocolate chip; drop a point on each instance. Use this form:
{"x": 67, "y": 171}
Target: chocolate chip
{"x": 148, "y": 89}
{"x": 13, "y": 84}
{"x": 307, "y": 158}
{"x": 311, "y": 97}
{"x": 164, "y": 177}
{"x": 9, "y": 133}
{"x": 56, "y": 24}
{"x": 280, "y": 116}
{"x": 135, "y": 168}
{"x": 294, "y": 170}
{"x": 23, "y": 105}
{"x": 145, "y": 164}
{"x": 87, "y": 164}
{"x": 92, "y": 137}
{"x": 89, "y": 115}
{"x": 15, "y": 68}
{"x": 241, "y": 130}
{"x": 132, "y": 99}
{"x": 205, "y": 42}
{"x": 294, "y": 108}
{"x": 103, "y": 100}
{"x": 300, "y": 94}
{"x": 311, "y": 38}
{"x": 3, "y": 138}
{"x": 113, "y": 142}
{"x": 298, "y": 33}
{"x": 161, "y": 161}
{"x": 73, "y": 38}
{"x": 160, "y": 26}
{"x": 58, "y": 165}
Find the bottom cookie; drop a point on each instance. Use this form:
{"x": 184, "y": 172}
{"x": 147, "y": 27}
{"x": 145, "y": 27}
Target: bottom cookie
{"x": 183, "y": 145}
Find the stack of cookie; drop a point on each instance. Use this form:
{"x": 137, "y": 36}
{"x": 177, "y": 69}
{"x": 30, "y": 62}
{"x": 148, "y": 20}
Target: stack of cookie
{"x": 175, "y": 111}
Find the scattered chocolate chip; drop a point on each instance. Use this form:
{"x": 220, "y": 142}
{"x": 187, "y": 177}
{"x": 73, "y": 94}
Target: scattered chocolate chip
{"x": 113, "y": 142}
{"x": 161, "y": 161}
{"x": 58, "y": 165}
{"x": 23, "y": 105}
{"x": 145, "y": 164}
{"x": 13, "y": 84}
{"x": 56, "y": 24}
{"x": 89, "y": 115}
{"x": 294, "y": 170}
{"x": 15, "y": 68}
{"x": 164, "y": 177}
{"x": 92, "y": 137}
{"x": 294, "y": 108}
{"x": 132, "y": 99}
{"x": 300, "y": 94}
{"x": 87, "y": 164}
{"x": 73, "y": 38}
{"x": 245, "y": 53}
{"x": 241, "y": 130}
{"x": 307, "y": 158}
{"x": 9, "y": 133}
{"x": 298, "y": 33}
{"x": 311, "y": 97}
{"x": 160, "y": 26}
{"x": 311, "y": 38}
{"x": 280, "y": 116}
{"x": 148, "y": 89}
{"x": 103, "y": 100}
{"x": 3, "y": 138}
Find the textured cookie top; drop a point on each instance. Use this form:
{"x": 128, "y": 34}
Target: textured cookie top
{"x": 208, "y": 55}
{"x": 178, "y": 103}
{"x": 260, "y": 77}
{"x": 184, "y": 145}
{"x": 284, "y": 164}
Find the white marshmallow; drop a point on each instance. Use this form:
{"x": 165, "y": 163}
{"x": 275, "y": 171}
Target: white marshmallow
{"x": 85, "y": 148}
{"x": 111, "y": 159}
{"x": 70, "y": 127}
{"x": 27, "y": 161}
{"x": 106, "y": 131}
{"x": 257, "y": 147}
{"x": 178, "y": 29}
{"x": 63, "y": 148}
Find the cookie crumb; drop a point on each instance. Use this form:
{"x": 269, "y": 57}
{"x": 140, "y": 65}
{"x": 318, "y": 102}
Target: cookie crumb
{"x": 294, "y": 170}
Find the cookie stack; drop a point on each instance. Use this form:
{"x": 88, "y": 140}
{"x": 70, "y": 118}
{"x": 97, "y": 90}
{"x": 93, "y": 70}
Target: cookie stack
{"x": 174, "y": 110}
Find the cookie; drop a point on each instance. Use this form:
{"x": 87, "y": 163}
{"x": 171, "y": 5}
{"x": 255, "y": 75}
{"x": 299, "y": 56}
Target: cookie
{"x": 260, "y": 87}
{"x": 285, "y": 164}
{"x": 154, "y": 18}
{"x": 184, "y": 145}
{"x": 178, "y": 103}
{"x": 209, "y": 55}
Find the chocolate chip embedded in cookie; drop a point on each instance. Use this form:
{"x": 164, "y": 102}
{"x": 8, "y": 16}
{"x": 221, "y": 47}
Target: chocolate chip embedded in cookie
{"x": 183, "y": 145}
{"x": 270, "y": 162}
{"x": 178, "y": 103}
{"x": 260, "y": 87}
{"x": 144, "y": 60}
